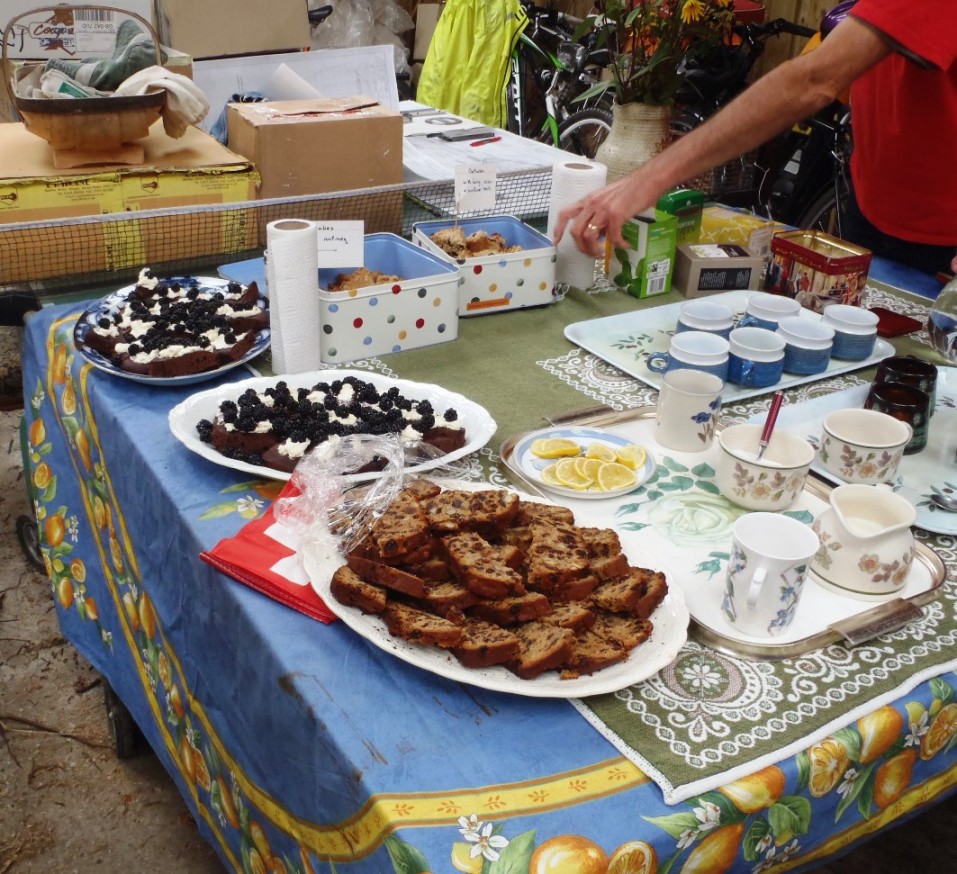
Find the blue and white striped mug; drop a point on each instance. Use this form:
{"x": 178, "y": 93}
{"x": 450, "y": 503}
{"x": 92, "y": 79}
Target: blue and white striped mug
{"x": 693, "y": 350}
{"x": 756, "y": 357}
{"x": 808, "y": 344}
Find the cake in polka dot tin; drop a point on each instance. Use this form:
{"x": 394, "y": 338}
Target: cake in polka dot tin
{"x": 420, "y": 308}
{"x": 507, "y": 281}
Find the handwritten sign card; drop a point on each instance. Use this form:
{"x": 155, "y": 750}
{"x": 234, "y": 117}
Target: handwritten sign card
{"x": 341, "y": 243}
{"x": 474, "y": 186}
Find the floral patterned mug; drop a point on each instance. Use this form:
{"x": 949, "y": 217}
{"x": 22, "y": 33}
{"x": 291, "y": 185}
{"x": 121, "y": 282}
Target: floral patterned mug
{"x": 770, "y": 555}
{"x": 687, "y": 410}
{"x": 770, "y": 483}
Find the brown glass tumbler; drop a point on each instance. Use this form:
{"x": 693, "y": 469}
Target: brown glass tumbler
{"x": 910, "y": 370}
{"x": 904, "y": 402}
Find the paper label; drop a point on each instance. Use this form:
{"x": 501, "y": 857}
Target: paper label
{"x": 341, "y": 243}
{"x": 474, "y": 187}
{"x": 712, "y": 251}
{"x": 94, "y": 32}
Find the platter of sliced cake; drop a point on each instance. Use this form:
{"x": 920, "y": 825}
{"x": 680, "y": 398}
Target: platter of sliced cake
{"x": 505, "y": 592}
{"x": 265, "y": 425}
{"x": 174, "y": 331}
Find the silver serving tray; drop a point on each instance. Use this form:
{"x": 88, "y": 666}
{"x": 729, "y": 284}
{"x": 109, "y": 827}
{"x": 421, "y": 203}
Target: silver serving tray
{"x": 927, "y": 576}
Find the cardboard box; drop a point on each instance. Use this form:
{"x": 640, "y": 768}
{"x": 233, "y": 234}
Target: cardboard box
{"x": 218, "y": 28}
{"x": 493, "y": 283}
{"x": 52, "y": 33}
{"x": 303, "y": 147}
{"x": 721, "y": 224}
{"x": 315, "y": 146}
{"x": 708, "y": 268}
{"x": 189, "y": 171}
{"x": 817, "y": 269}
{"x": 685, "y": 204}
{"x": 645, "y": 268}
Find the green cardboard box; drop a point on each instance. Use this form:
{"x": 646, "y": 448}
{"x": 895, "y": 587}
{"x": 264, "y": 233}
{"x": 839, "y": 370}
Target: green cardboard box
{"x": 645, "y": 268}
{"x": 686, "y": 205}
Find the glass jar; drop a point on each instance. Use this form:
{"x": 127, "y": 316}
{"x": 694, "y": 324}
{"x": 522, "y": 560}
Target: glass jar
{"x": 942, "y": 323}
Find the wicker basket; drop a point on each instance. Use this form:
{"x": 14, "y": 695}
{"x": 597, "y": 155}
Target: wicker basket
{"x": 91, "y": 124}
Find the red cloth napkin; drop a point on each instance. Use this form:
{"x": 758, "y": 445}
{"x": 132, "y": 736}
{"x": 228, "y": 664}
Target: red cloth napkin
{"x": 262, "y": 556}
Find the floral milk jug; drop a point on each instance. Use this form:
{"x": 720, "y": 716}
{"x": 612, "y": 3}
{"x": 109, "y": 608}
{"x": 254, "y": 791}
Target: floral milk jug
{"x": 867, "y": 546}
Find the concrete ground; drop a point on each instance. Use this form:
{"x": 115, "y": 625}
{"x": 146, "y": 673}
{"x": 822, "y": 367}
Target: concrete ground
{"x": 68, "y": 805}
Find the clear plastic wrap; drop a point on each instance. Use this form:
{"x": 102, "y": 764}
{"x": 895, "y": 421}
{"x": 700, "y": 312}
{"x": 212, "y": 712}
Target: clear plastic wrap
{"x": 336, "y": 508}
{"x": 364, "y": 23}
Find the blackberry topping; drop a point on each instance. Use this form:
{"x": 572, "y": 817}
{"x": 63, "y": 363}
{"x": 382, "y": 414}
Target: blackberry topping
{"x": 134, "y": 349}
{"x": 296, "y": 418}
{"x": 205, "y": 430}
{"x": 103, "y": 322}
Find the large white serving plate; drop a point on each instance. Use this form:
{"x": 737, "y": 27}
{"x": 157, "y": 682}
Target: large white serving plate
{"x": 932, "y": 470}
{"x": 670, "y": 621}
{"x": 184, "y": 417}
{"x": 111, "y": 303}
{"x": 626, "y": 341}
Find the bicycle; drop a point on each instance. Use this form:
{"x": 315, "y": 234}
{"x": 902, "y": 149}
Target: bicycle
{"x": 549, "y": 72}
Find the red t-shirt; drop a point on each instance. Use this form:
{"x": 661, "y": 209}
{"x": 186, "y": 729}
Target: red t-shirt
{"x": 904, "y": 163}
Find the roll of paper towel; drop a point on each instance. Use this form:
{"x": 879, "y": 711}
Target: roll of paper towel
{"x": 292, "y": 281}
{"x": 571, "y": 181}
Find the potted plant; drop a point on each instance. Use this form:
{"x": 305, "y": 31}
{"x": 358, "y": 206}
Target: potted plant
{"x": 649, "y": 43}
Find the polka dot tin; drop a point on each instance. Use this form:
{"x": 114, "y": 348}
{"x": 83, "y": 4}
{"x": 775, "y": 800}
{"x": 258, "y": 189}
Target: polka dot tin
{"x": 492, "y": 283}
{"x": 418, "y": 309}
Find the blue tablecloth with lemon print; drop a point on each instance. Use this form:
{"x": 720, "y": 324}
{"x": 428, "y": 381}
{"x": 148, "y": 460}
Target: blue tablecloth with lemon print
{"x": 299, "y": 747}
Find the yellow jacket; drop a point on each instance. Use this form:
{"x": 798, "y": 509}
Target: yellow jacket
{"x": 467, "y": 65}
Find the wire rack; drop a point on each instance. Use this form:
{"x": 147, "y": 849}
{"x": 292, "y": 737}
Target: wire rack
{"x": 65, "y": 255}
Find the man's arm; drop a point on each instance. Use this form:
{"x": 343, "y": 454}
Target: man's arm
{"x": 791, "y": 92}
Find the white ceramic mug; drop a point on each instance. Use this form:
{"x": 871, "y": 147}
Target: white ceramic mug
{"x": 770, "y": 557}
{"x": 687, "y": 410}
{"x": 705, "y": 315}
{"x": 694, "y": 350}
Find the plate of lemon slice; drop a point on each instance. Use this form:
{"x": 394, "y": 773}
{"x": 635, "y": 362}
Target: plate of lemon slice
{"x": 582, "y": 462}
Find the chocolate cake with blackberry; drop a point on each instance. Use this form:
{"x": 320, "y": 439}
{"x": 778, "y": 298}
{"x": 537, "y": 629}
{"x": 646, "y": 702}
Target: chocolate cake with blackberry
{"x": 276, "y": 427}
{"x": 177, "y": 327}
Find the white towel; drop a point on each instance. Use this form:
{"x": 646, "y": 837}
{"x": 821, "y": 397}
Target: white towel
{"x": 185, "y": 102}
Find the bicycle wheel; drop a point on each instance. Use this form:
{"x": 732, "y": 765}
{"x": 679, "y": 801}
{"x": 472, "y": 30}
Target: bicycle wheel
{"x": 822, "y": 213}
{"x": 584, "y": 131}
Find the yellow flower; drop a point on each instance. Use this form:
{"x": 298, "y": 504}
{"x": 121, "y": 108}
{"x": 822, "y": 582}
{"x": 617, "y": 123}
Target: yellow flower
{"x": 692, "y": 11}
{"x": 725, "y": 3}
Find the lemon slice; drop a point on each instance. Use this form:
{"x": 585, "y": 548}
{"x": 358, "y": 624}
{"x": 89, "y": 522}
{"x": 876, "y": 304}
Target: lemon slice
{"x": 632, "y": 456}
{"x": 614, "y": 476}
{"x": 554, "y": 447}
{"x": 549, "y": 476}
{"x": 567, "y": 474}
{"x": 601, "y": 451}
{"x": 589, "y": 467}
